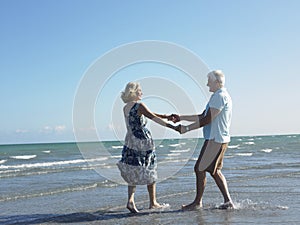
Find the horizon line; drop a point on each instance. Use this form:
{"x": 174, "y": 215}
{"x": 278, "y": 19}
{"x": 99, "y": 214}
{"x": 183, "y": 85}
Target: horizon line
{"x": 157, "y": 139}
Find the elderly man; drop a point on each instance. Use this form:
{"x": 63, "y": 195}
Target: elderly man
{"x": 215, "y": 120}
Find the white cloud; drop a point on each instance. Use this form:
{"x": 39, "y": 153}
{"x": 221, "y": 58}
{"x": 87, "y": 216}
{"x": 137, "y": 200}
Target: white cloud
{"x": 111, "y": 127}
{"x": 46, "y": 129}
{"x": 60, "y": 128}
{"x": 115, "y": 127}
{"x": 55, "y": 129}
{"x": 21, "y": 131}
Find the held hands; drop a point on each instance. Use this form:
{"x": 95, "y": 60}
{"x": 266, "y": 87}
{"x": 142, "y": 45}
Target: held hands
{"x": 174, "y": 118}
{"x": 179, "y": 128}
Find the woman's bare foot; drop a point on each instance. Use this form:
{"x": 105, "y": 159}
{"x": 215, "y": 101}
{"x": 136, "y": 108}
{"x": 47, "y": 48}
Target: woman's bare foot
{"x": 192, "y": 206}
{"x": 158, "y": 206}
{"x": 131, "y": 207}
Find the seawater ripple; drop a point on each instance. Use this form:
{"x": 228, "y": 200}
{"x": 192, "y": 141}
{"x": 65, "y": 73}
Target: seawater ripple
{"x": 49, "y": 164}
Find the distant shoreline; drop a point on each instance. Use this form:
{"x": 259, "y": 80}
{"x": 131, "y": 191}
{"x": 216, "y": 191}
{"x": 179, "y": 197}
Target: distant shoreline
{"x": 107, "y": 141}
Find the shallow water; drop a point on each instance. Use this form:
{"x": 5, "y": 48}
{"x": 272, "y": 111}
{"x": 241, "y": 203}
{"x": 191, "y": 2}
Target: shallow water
{"x": 59, "y": 186}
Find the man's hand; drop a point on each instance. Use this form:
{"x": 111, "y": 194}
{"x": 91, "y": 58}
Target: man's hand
{"x": 181, "y": 129}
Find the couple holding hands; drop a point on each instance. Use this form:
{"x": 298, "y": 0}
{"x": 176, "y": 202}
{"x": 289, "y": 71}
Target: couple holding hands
{"x": 138, "y": 165}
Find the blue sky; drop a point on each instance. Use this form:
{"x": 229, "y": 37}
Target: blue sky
{"x": 47, "y": 46}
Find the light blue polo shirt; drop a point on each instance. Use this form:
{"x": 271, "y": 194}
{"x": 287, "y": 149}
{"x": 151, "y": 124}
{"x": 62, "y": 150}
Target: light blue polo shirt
{"x": 218, "y": 129}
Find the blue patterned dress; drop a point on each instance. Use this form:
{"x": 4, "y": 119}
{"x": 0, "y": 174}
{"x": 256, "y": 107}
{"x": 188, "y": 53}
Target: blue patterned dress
{"x": 138, "y": 164}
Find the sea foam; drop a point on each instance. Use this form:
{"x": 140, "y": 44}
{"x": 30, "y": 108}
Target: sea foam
{"x": 117, "y": 146}
{"x": 233, "y": 146}
{"x": 267, "y": 150}
{"x": 244, "y": 154}
{"x": 49, "y": 164}
{"x": 23, "y": 157}
{"x": 182, "y": 150}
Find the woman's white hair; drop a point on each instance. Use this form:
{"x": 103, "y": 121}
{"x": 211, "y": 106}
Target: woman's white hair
{"x": 217, "y": 75}
{"x": 130, "y": 92}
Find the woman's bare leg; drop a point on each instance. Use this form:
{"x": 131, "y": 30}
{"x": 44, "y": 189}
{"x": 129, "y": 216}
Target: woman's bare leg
{"x": 130, "y": 204}
{"x": 152, "y": 196}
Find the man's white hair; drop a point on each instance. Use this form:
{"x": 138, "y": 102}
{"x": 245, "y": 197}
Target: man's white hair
{"x": 217, "y": 75}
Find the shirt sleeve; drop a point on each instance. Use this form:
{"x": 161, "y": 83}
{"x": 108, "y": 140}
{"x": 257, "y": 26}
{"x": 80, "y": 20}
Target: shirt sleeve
{"x": 217, "y": 101}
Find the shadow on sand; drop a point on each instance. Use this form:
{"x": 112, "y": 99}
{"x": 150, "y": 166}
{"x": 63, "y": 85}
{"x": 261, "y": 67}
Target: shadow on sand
{"x": 80, "y": 217}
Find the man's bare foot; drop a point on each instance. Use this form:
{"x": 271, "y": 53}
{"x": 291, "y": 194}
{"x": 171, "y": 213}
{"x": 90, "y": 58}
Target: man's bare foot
{"x": 227, "y": 205}
{"x": 192, "y": 206}
{"x": 158, "y": 206}
{"x": 131, "y": 207}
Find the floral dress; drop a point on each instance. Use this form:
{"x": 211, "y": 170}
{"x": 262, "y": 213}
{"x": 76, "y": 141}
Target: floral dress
{"x": 138, "y": 163}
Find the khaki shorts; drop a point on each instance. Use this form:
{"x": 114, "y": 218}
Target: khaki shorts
{"x": 211, "y": 156}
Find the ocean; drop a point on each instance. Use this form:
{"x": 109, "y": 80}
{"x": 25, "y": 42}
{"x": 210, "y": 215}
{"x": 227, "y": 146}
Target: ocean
{"x": 59, "y": 183}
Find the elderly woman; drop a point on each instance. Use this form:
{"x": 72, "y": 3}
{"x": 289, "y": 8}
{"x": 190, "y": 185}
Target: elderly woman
{"x": 138, "y": 165}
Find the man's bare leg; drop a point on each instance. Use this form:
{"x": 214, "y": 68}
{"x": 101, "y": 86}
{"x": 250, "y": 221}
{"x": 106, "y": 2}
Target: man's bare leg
{"x": 200, "y": 186}
{"x": 222, "y": 184}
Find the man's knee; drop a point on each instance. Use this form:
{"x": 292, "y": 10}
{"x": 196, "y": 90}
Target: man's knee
{"x": 197, "y": 170}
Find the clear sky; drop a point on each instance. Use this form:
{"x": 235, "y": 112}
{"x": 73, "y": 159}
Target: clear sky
{"x": 47, "y": 46}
